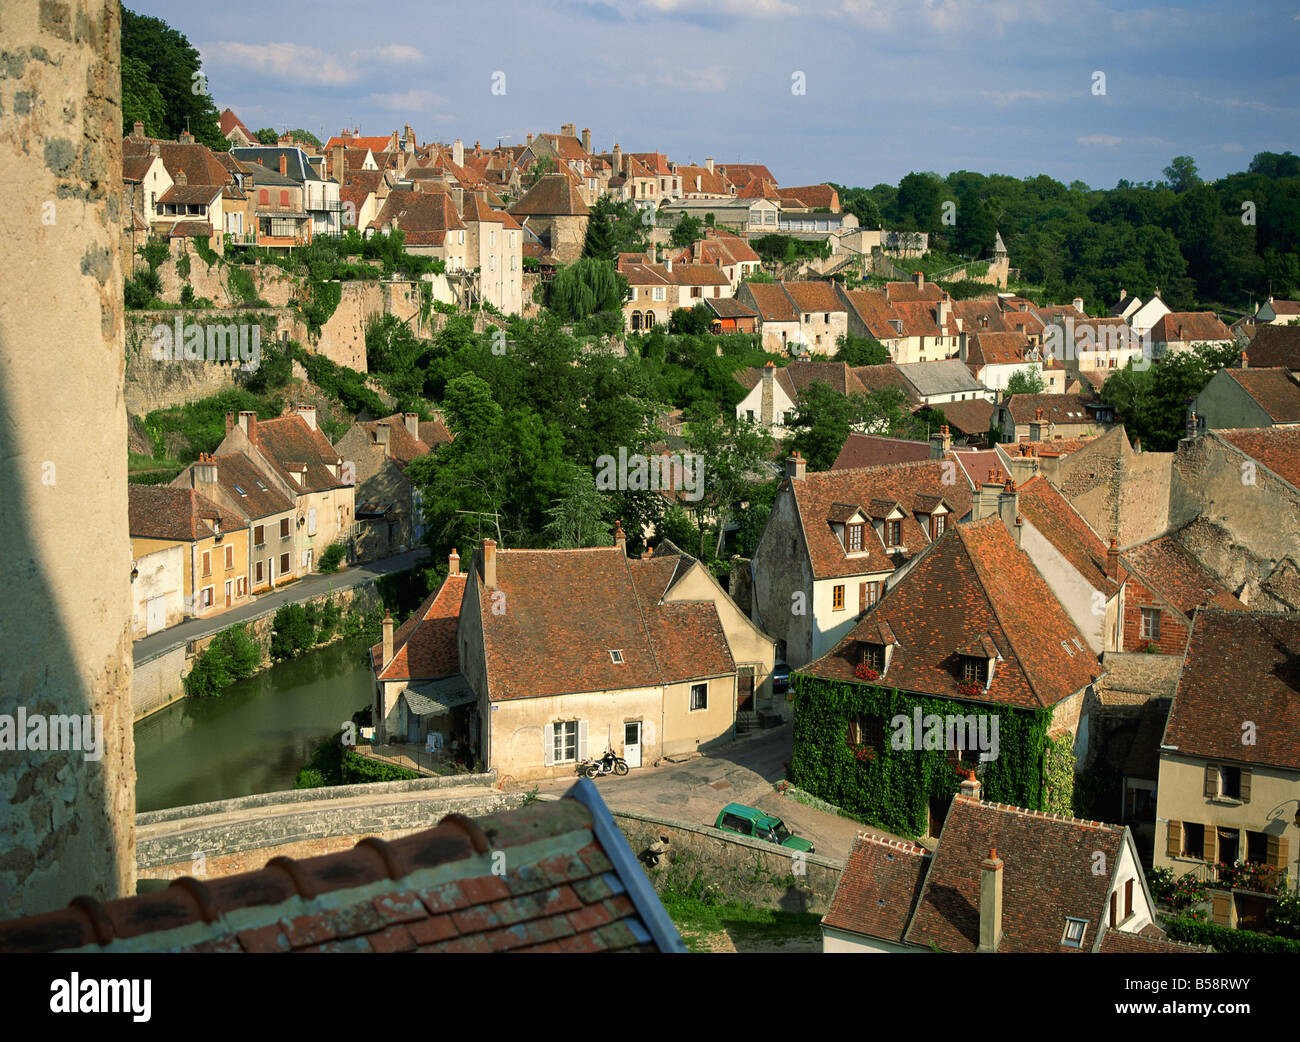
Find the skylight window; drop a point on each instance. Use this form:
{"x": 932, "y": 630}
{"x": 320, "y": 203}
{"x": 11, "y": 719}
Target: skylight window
{"x": 1074, "y": 931}
{"x": 261, "y": 486}
{"x": 240, "y": 491}
{"x": 1077, "y": 643}
{"x": 616, "y": 657}
{"x": 1068, "y": 650}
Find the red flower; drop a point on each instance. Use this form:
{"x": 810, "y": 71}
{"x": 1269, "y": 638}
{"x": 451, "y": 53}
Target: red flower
{"x": 865, "y": 672}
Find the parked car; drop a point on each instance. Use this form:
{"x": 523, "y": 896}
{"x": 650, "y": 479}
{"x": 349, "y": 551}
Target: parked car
{"x": 752, "y": 822}
{"x": 780, "y": 678}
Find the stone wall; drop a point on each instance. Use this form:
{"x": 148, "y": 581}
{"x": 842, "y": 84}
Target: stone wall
{"x": 744, "y": 869}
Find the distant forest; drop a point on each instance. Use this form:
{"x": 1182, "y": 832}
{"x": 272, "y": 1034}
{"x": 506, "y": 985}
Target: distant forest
{"x": 1222, "y": 244}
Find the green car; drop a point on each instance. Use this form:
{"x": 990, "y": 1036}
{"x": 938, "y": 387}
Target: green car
{"x": 751, "y": 822}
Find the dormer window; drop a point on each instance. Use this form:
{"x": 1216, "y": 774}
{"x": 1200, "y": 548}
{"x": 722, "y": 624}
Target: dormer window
{"x": 873, "y": 657}
{"x": 894, "y": 533}
{"x": 937, "y": 525}
{"x": 1074, "y": 931}
{"x": 853, "y": 541}
{"x": 973, "y": 670}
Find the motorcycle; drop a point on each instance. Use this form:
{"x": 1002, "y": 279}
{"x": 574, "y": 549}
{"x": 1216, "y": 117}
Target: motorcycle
{"x": 607, "y": 764}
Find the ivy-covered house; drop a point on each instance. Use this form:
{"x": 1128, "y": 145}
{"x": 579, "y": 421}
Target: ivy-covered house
{"x": 969, "y": 662}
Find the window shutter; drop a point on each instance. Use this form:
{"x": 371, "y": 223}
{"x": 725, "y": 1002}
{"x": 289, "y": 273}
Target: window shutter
{"x": 548, "y": 741}
{"x": 1210, "y": 853}
{"x": 1174, "y": 839}
{"x": 1114, "y": 908}
{"x": 582, "y": 739}
{"x": 1211, "y": 781}
{"x": 1222, "y": 909}
{"x": 1245, "y": 785}
{"x": 862, "y": 596}
{"x": 1277, "y": 852}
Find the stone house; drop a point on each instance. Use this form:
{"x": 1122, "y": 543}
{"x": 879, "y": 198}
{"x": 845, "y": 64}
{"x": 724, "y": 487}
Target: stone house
{"x": 320, "y": 192}
{"x": 823, "y": 318}
{"x": 774, "y": 391}
{"x": 1278, "y": 313}
{"x": 431, "y": 224}
{"x": 1179, "y": 331}
{"x": 157, "y": 584}
{"x": 778, "y": 316}
{"x": 556, "y": 212}
{"x": 494, "y": 245}
{"x": 1230, "y": 757}
{"x": 1047, "y": 417}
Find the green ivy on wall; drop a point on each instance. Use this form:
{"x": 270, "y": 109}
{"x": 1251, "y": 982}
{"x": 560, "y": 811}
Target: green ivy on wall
{"x": 893, "y": 789}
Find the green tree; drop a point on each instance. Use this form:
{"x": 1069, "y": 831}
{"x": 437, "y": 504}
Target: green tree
{"x": 825, "y": 419}
{"x": 584, "y": 288}
{"x": 267, "y": 136}
{"x": 693, "y": 321}
{"x": 860, "y": 350}
{"x": 173, "y": 67}
{"x": 731, "y": 455}
{"x": 687, "y": 231}
{"x": 1181, "y": 173}
{"x": 580, "y": 515}
{"x": 1026, "y": 381}
{"x": 141, "y": 99}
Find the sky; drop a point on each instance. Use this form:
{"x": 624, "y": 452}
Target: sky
{"x": 857, "y": 92}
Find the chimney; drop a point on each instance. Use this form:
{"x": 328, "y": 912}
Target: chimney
{"x": 652, "y": 253}
{"x": 1078, "y": 304}
{"x": 204, "y": 472}
{"x": 154, "y": 150}
{"x": 453, "y": 562}
{"x": 412, "y": 421}
{"x": 940, "y": 443}
{"x": 337, "y": 163}
{"x": 458, "y": 152}
{"x": 1009, "y": 505}
{"x": 185, "y": 137}
{"x": 284, "y": 165}
{"x": 970, "y": 786}
{"x": 586, "y": 140}
{"x": 230, "y": 422}
{"x": 987, "y": 501}
{"x": 1018, "y": 530}
{"x": 795, "y": 466}
{"x": 668, "y": 265}
{"x": 1112, "y": 560}
{"x": 620, "y": 537}
{"x": 138, "y": 129}
{"x": 308, "y": 413}
{"x": 381, "y": 437}
{"x": 618, "y": 159}
{"x": 709, "y": 164}
{"x": 529, "y": 139}
{"x": 1122, "y": 294}
{"x": 1193, "y": 424}
{"x": 388, "y": 638}
{"x": 918, "y": 277}
{"x": 941, "y": 314}
{"x": 248, "y": 424}
{"x": 490, "y": 563}
{"x": 567, "y": 130}
{"x": 990, "y": 902}
{"x": 1245, "y": 364}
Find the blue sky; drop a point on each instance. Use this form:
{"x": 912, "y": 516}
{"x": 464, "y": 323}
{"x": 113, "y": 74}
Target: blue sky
{"x": 998, "y": 86}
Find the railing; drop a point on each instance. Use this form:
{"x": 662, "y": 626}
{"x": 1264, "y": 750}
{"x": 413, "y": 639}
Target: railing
{"x": 1241, "y": 875}
{"x": 414, "y": 758}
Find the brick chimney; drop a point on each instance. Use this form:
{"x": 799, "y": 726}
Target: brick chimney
{"x": 795, "y": 466}
{"x": 185, "y": 137}
{"x": 308, "y": 413}
{"x": 1245, "y": 364}
{"x": 618, "y": 158}
{"x": 412, "y": 421}
{"x": 388, "y": 639}
{"x": 382, "y": 436}
{"x": 248, "y": 424}
{"x": 970, "y": 786}
{"x": 990, "y": 902}
{"x": 338, "y": 163}
{"x": 490, "y": 563}
{"x": 1112, "y": 560}
{"x": 453, "y": 562}
{"x": 529, "y": 139}
{"x": 918, "y": 277}
{"x": 940, "y": 442}
{"x": 137, "y": 130}
{"x": 987, "y": 499}
{"x": 620, "y": 537}
{"x": 284, "y": 165}
{"x": 586, "y": 140}
{"x": 568, "y": 130}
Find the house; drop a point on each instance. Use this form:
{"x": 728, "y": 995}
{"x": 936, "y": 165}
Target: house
{"x": 731, "y": 316}
{"x": 823, "y": 319}
{"x": 556, "y": 212}
{"x": 362, "y": 194}
{"x": 571, "y": 884}
{"x": 320, "y": 192}
{"x": 1278, "y": 313}
{"x": 279, "y": 208}
{"x": 834, "y": 541}
{"x": 754, "y": 216}
{"x": 969, "y": 420}
{"x": 1248, "y": 397}
{"x": 729, "y": 253}
{"x": 939, "y": 382}
{"x": 704, "y": 182}
{"x": 778, "y": 315}
{"x": 1163, "y": 586}
{"x": 994, "y": 358}
{"x": 234, "y": 482}
{"x": 297, "y": 458}
{"x": 1275, "y": 346}
{"x": 388, "y": 505}
{"x": 1002, "y": 879}
{"x": 1181, "y": 330}
{"x": 234, "y": 131}
{"x": 1048, "y": 417}
{"x": 430, "y": 223}
{"x": 648, "y": 657}
{"x": 873, "y": 450}
{"x": 494, "y": 246}
{"x": 158, "y": 572}
{"x": 774, "y": 391}
{"x": 1141, "y": 317}
{"x": 183, "y": 197}
{"x": 1230, "y": 758}
{"x": 214, "y": 543}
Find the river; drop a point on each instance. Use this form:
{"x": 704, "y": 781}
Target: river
{"x": 255, "y": 737}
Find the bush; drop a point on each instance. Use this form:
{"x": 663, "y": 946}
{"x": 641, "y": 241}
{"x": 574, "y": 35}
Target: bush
{"x": 309, "y": 778}
{"x": 330, "y": 559}
{"x": 357, "y": 769}
{"x": 233, "y": 655}
{"x": 293, "y": 631}
{"x": 1232, "y": 942}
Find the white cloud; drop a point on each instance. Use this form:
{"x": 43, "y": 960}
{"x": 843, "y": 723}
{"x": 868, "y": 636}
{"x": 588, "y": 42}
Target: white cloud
{"x": 302, "y": 65}
{"x": 1108, "y": 140}
{"x": 406, "y": 101}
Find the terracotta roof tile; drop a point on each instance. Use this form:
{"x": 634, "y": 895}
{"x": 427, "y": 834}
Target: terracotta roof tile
{"x": 1277, "y": 448}
{"x": 1272, "y": 389}
{"x": 1275, "y": 346}
{"x": 878, "y": 888}
{"x": 871, "y": 450}
{"x": 164, "y": 512}
{"x": 1189, "y": 326}
{"x": 1169, "y": 571}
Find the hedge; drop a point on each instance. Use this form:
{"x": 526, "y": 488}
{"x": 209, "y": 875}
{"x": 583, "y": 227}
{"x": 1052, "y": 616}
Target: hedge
{"x": 358, "y": 769}
{"x": 1228, "y": 941}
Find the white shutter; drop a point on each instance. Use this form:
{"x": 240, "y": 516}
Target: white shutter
{"x": 548, "y": 742}
{"x": 311, "y": 521}
{"x": 582, "y": 739}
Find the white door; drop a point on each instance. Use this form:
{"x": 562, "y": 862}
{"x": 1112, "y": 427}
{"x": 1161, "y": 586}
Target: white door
{"x": 632, "y": 743}
{"x": 155, "y": 614}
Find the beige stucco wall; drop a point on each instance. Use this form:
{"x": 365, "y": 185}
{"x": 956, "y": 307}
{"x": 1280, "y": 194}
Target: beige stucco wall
{"x": 66, "y": 616}
{"x": 162, "y": 574}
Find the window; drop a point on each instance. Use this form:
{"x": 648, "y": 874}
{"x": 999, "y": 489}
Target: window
{"x": 492, "y": 236}
{"x": 1114, "y": 908}
{"x": 492, "y": 262}
{"x": 659, "y": 293}
{"x": 230, "y": 557}
{"x": 1150, "y": 623}
{"x": 895, "y": 529}
{"x": 284, "y": 197}
{"x": 699, "y": 696}
{"x": 259, "y": 535}
{"x": 937, "y": 525}
{"x": 854, "y": 538}
{"x": 873, "y": 656}
{"x": 284, "y": 564}
{"x": 867, "y": 730}
{"x": 868, "y": 594}
{"x": 1193, "y": 839}
{"x": 207, "y": 562}
{"x": 1230, "y": 782}
{"x": 257, "y": 575}
{"x": 973, "y": 670}
{"x": 1074, "y": 931}
{"x": 1128, "y": 898}
{"x": 616, "y": 657}
{"x": 284, "y": 529}
{"x": 749, "y": 415}
{"x": 566, "y": 741}
{"x": 837, "y": 598}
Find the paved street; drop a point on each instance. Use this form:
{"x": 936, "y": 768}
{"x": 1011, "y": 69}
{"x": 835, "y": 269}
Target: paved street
{"x": 744, "y": 772}
{"x": 312, "y": 586}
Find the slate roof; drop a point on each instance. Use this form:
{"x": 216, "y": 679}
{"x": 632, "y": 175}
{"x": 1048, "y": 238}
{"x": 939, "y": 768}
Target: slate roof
{"x": 424, "y": 646}
{"x": 1277, "y": 448}
{"x": 945, "y": 376}
{"x": 1275, "y": 346}
{"x": 878, "y": 887}
{"x": 973, "y": 580}
{"x": 1239, "y": 665}
{"x": 1165, "y": 568}
{"x": 552, "y": 195}
{"x": 567, "y": 609}
{"x": 571, "y": 884}
{"x": 1272, "y": 390}
{"x": 906, "y": 483}
{"x": 164, "y": 512}
{"x": 1053, "y": 516}
{"x": 872, "y": 450}
{"x": 1189, "y": 326}
{"x": 296, "y": 166}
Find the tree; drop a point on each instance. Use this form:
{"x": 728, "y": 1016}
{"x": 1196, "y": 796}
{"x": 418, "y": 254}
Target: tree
{"x": 687, "y": 231}
{"x": 733, "y": 454}
{"x": 860, "y": 350}
{"x": 1181, "y": 173}
{"x": 584, "y": 288}
{"x": 580, "y": 515}
{"x": 267, "y": 136}
{"x": 825, "y": 418}
{"x": 613, "y": 227}
{"x": 1026, "y": 381}
{"x": 692, "y": 321}
{"x": 140, "y": 98}
{"x": 172, "y": 66}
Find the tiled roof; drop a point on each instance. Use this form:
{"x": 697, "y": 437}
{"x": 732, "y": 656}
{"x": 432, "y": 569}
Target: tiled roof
{"x": 1273, "y": 390}
{"x": 135, "y": 167}
{"x": 258, "y": 498}
{"x": 1275, "y": 346}
{"x": 813, "y": 196}
{"x": 757, "y": 188}
{"x": 478, "y": 210}
{"x": 976, "y": 464}
{"x": 973, "y": 580}
{"x": 1277, "y": 448}
{"x": 971, "y": 417}
{"x": 874, "y": 311}
{"x": 552, "y": 195}
{"x": 1189, "y": 326}
{"x": 698, "y": 275}
{"x": 871, "y": 450}
{"x": 375, "y": 144}
{"x": 905, "y": 483}
{"x": 419, "y": 213}
{"x": 288, "y": 440}
{"x": 197, "y": 162}
{"x": 229, "y": 121}
{"x": 729, "y": 307}
{"x": 434, "y": 433}
{"x": 904, "y": 292}
{"x": 1239, "y": 666}
{"x": 1117, "y": 942}
{"x": 743, "y": 173}
{"x": 571, "y": 884}
{"x": 814, "y": 296}
{"x": 978, "y": 314}
{"x": 878, "y": 888}
{"x": 887, "y": 375}
{"x": 772, "y": 302}
{"x": 566, "y": 610}
{"x": 424, "y": 646}
{"x": 712, "y": 183}
{"x": 1169, "y": 571}
{"x": 199, "y": 195}
{"x": 1047, "y": 876}
{"x": 164, "y": 512}
{"x": 1057, "y": 408}
{"x": 996, "y": 348}
{"x": 1060, "y": 524}
{"x": 401, "y": 445}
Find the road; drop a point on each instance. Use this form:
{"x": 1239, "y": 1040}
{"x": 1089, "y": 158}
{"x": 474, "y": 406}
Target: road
{"x": 312, "y": 586}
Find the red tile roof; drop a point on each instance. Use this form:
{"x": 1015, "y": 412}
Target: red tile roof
{"x": 813, "y": 196}
{"x": 164, "y": 512}
{"x": 1272, "y": 390}
{"x": 1170, "y": 572}
{"x": 1054, "y": 517}
{"x": 973, "y": 582}
{"x": 424, "y": 646}
{"x": 1277, "y": 448}
{"x": 1275, "y": 346}
{"x": 420, "y": 215}
{"x": 288, "y": 440}
{"x": 1189, "y": 326}
{"x": 553, "y": 195}
{"x": 996, "y": 349}
{"x": 1239, "y": 666}
{"x": 1057, "y": 408}
{"x": 906, "y": 292}
{"x": 814, "y": 296}
{"x": 887, "y": 375}
{"x": 772, "y": 302}
{"x": 871, "y": 450}
{"x": 972, "y": 417}
{"x": 877, "y": 890}
{"x": 572, "y": 884}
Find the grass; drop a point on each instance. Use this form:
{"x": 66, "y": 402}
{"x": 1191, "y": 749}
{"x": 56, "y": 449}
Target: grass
{"x": 715, "y": 927}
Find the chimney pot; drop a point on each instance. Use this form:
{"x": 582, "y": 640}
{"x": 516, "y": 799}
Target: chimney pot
{"x": 1112, "y": 560}
{"x": 284, "y": 164}
{"x": 990, "y": 902}
{"x": 795, "y": 466}
{"x": 620, "y": 538}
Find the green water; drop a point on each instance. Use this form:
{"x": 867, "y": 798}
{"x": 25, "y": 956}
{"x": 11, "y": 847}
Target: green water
{"x": 255, "y": 737}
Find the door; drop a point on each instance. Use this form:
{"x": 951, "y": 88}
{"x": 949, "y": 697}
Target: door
{"x": 155, "y": 614}
{"x": 632, "y": 743}
{"x": 230, "y": 589}
{"x": 745, "y": 689}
